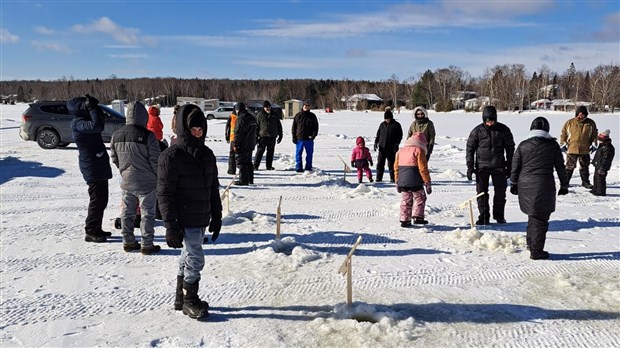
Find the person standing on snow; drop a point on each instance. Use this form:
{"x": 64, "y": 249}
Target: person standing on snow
{"x": 578, "y": 140}
{"x": 135, "y": 152}
{"x": 156, "y": 126}
{"x": 305, "y": 129}
{"x": 388, "y": 138}
{"x": 229, "y": 135}
{"x": 246, "y": 132}
{"x": 269, "y": 132}
{"x": 412, "y": 177}
{"x": 361, "y": 159}
{"x": 423, "y": 124}
{"x": 94, "y": 161}
{"x": 187, "y": 190}
{"x": 532, "y": 180}
{"x": 486, "y": 146}
{"x": 602, "y": 163}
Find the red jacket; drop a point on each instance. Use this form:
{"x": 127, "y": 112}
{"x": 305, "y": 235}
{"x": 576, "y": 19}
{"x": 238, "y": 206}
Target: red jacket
{"x": 154, "y": 124}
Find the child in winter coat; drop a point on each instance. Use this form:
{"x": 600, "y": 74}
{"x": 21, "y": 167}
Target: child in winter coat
{"x": 412, "y": 176}
{"x": 602, "y": 163}
{"x": 361, "y": 158}
{"x": 155, "y": 125}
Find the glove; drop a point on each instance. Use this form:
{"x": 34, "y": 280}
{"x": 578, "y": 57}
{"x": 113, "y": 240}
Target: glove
{"x": 602, "y": 172}
{"x": 279, "y": 139}
{"x": 374, "y": 147}
{"x": 214, "y": 227}
{"x": 562, "y": 191}
{"x": 507, "y": 173}
{"x": 371, "y": 164}
{"x": 174, "y": 234}
{"x": 353, "y": 164}
{"x": 592, "y": 148}
{"x": 91, "y": 102}
{"x": 470, "y": 173}
{"x": 514, "y": 189}
{"x": 428, "y": 187}
{"x": 294, "y": 140}
{"x": 564, "y": 147}
{"x": 398, "y": 189}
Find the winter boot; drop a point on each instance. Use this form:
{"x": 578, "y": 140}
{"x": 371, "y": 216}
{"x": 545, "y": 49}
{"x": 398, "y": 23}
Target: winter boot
{"x": 178, "y": 298}
{"x": 94, "y": 237}
{"x": 569, "y": 174}
{"x": 379, "y": 175}
{"x": 405, "y": 224}
{"x": 420, "y": 221}
{"x": 539, "y": 255}
{"x": 192, "y": 305}
{"x": 135, "y": 246}
{"x": 482, "y": 220}
{"x": 149, "y": 250}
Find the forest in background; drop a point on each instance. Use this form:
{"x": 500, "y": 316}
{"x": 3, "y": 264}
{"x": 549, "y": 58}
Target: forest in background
{"x": 509, "y": 86}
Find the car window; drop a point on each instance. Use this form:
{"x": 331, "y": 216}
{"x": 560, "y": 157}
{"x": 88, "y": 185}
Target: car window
{"x": 55, "y": 109}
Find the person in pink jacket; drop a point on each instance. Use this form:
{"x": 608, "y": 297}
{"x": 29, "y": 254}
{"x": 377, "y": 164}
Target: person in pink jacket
{"x": 412, "y": 177}
{"x": 361, "y": 159}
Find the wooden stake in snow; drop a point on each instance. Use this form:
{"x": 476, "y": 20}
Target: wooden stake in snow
{"x": 347, "y": 269}
{"x": 466, "y": 203}
{"x": 226, "y": 193}
{"x": 278, "y": 218}
{"x": 346, "y": 169}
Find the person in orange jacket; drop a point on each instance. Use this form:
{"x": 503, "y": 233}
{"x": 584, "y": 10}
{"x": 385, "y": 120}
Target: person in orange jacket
{"x": 229, "y": 135}
{"x": 155, "y": 125}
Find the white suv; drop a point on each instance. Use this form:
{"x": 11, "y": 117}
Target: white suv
{"x": 221, "y": 113}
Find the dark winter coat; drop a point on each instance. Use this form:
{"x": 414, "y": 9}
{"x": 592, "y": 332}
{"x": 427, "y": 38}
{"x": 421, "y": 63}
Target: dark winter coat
{"x": 305, "y": 126}
{"x": 246, "y": 132}
{"x": 135, "y": 150}
{"x": 86, "y": 128}
{"x": 532, "y": 171}
{"x": 604, "y": 156}
{"x": 269, "y": 125}
{"x": 486, "y": 146}
{"x": 389, "y": 136}
{"x": 187, "y": 178}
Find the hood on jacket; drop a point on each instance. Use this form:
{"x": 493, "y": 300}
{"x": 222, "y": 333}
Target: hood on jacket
{"x": 153, "y": 111}
{"x": 360, "y": 141}
{"x": 136, "y": 114}
{"x": 419, "y": 108}
{"x": 190, "y": 113}
{"x": 417, "y": 139}
{"x": 77, "y": 107}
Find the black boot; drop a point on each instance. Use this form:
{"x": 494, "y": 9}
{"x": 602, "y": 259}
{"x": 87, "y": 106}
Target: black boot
{"x": 93, "y": 236}
{"x": 178, "y": 297}
{"x": 569, "y": 174}
{"x": 192, "y": 305}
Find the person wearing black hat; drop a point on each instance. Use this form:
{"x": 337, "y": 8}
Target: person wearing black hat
{"x": 269, "y": 132}
{"x": 189, "y": 200}
{"x": 246, "y": 132}
{"x": 305, "y": 129}
{"x": 532, "y": 180}
{"x": 389, "y": 136}
{"x": 578, "y": 140}
{"x": 489, "y": 151}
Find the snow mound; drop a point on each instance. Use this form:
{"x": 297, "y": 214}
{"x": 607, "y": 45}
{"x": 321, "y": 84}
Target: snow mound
{"x": 450, "y": 174}
{"x": 232, "y": 218}
{"x": 287, "y": 252}
{"x": 488, "y": 241}
{"x": 363, "y": 190}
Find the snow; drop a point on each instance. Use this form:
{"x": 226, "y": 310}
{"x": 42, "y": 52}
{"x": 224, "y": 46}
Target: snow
{"x": 441, "y": 285}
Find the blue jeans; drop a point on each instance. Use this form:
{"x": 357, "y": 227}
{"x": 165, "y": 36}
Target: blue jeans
{"x": 147, "y": 203}
{"x": 192, "y": 259}
{"x": 308, "y": 145}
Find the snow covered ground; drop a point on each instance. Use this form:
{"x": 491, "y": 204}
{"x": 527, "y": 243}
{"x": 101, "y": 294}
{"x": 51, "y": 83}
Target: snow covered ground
{"x": 442, "y": 285}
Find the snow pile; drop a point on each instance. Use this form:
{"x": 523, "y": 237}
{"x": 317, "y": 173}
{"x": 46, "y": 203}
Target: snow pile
{"x": 597, "y": 289}
{"x": 287, "y": 252}
{"x": 488, "y": 241}
{"x": 451, "y": 174}
{"x": 363, "y": 190}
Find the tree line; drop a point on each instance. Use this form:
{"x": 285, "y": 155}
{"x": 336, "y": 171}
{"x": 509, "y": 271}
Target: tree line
{"x": 508, "y": 86}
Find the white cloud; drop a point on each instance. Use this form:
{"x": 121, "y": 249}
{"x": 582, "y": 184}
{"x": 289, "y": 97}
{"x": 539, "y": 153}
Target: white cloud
{"x": 106, "y": 26}
{"x": 610, "y": 30}
{"x": 50, "y": 46}
{"x": 8, "y": 37}
{"x": 129, "y": 56}
{"x": 209, "y": 41}
{"x": 44, "y": 31}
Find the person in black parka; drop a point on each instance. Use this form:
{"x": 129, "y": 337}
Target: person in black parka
{"x": 486, "y": 146}
{"x": 388, "y": 138}
{"x": 602, "y": 163}
{"x": 532, "y": 179}
{"x": 94, "y": 161}
{"x": 269, "y": 133}
{"x": 187, "y": 191}
{"x": 246, "y": 134}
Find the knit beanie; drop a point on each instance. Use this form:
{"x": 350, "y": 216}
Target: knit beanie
{"x": 581, "y": 109}
{"x": 196, "y": 119}
{"x": 489, "y": 113}
{"x": 603, "y": 135}
{"x": 266, "y": 103}
{"x": 388, "y": 114}
{"x": 540, "y": 123}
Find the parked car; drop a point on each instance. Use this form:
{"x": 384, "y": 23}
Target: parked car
{"x": 49, "y": 124}
{"x": 220, "y": 113}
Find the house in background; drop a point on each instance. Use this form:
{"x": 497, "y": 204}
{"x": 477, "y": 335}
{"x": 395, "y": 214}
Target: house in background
{"x": 476, "y": 104}
{"x": 205, "y": 104}
{"x": 541, "y": 104}
{"x": 458, "y": 99}
{"x": 357, "y": 101}
{"x": 292, "y": 107}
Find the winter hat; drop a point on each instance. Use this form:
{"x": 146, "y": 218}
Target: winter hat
{"x": 388, "y": 114}
{"x": 196, "y": 119}
{"x": 603, "y": 135}
{"x": 540, "y": 123}
{"x": 307, "y": 103}
{"x": 240, "y": 106}
{"x": 266, "y": 104}
{"x": 582, "y": 109}
{"x": 360, "y": 141}
{"x": 489, "y": 113}
{"x": 417, "y": 139}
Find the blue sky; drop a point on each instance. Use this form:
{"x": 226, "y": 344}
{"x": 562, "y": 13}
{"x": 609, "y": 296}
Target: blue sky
{"x": 356, "y": 40}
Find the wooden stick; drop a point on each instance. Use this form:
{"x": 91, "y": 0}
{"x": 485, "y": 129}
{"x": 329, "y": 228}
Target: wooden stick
{"x": 467, "y": 203}
{"x": 278, "y": 219}
{"x": 228, "y": 187}
{"x": 346, "y": 169}
{"x": 343, "y": 268}
{"x": 350, "y": 282}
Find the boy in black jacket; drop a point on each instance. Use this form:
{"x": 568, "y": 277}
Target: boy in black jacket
{"x": 602, "y": 163}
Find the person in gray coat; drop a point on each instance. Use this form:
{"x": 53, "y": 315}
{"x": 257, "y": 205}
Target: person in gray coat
{"x": 532, "y": 180}
{"x": 135, "y": 152}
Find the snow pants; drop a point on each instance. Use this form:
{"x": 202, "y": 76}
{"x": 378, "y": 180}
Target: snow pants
{"x": 265, "y": 143}
{"x": 500, "y": 184}
{"x": 246, "y": 168}
{"x": 584, "y": 166}
{"x": 192, "y": 259}
{"x": 98, "y": 194}
{"x": 600, "y": 184}
{"x": 362, "y": 170}
{"x": 537, "y": 227}
{"x": 412, "y": 205}
{"x": 383, "y": 155}
{"x": 146, "y": 201}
